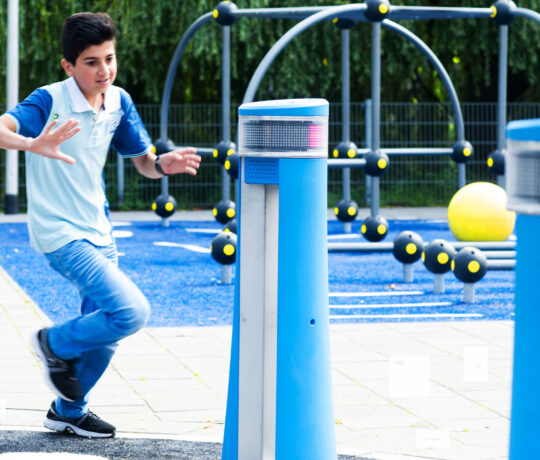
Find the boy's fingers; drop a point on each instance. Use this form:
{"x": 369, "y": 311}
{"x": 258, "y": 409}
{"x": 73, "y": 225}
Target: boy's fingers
{"x": 63, "y": 157}
{"x": 51, "y": 125}
{"x": 67, "y": 126}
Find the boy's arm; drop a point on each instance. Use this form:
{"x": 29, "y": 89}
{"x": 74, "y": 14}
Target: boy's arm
{"x": 184, "y": 160}
{"x": 46, "y": 144}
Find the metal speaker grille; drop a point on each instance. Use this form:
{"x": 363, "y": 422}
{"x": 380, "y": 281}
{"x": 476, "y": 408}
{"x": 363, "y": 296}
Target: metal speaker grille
{"x": 283, "y": 137}
{"x": 261, "y": 171}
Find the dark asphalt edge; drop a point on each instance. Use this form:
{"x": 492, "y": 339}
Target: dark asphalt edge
{"x": 118, "y": 448}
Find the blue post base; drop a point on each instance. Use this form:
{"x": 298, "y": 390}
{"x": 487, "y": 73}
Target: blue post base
{"x": 304, "y": 409}
{"x": 525, "y": 420}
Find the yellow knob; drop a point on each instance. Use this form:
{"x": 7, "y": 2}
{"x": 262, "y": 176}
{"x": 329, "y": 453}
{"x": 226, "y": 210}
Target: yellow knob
{"x": 442, "y": 258}
{"x": 228, "y": 249}
{"x": 473, "y": 266}
{"x": 410, "y": 248}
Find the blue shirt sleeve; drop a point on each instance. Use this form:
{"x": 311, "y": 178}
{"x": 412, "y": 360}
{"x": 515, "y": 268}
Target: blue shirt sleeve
{"x": 32, "y": 114}
{"x": 131, "y": 138}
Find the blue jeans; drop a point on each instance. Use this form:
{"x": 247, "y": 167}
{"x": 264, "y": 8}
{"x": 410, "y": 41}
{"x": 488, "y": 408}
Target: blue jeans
{"x": 112, "y": 309}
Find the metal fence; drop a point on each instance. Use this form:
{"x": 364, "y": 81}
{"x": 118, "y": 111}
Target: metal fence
{"x": 409, "y": 181}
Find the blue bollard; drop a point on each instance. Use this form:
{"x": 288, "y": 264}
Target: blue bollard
{"x": 523, "y": 187}
{"x": 280, "y": 391}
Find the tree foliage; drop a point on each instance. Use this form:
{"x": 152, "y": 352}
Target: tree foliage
{"x": 149, "y": 31}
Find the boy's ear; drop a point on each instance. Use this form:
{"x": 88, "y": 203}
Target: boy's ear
{"x": 67, "y": 66}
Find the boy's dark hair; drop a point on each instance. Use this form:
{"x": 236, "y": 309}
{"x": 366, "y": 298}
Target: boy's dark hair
{"x": 83, "y": 30}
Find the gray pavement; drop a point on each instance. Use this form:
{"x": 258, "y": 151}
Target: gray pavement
{"x": 401, "y": 390}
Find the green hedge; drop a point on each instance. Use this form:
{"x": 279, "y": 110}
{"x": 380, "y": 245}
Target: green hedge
{"x": 149, "y": 31}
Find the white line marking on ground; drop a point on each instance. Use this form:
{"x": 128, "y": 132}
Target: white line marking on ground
{"x": 344, "y": 236}
{"x": 190, "y": 247}
{"x": 395, "y": 305}
{"x": 204, "y": 230}
{"x": 122, "y": 234}
{"x": 374, "y": 294}
{"x": 117, "y": 223}
{"x": 420, "y": 315}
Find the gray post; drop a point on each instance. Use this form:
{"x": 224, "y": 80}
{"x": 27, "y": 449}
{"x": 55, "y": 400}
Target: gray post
{"x": 226, "y": 104}
{"x": 11, "y": 199}
{"x": 346, "y": 115}
{"x": 165, "y": 192}
{"x": 226, "y": 273}
{"x": 367, "y": 112}
{"x": 120, "y": 178}
{"x": 502, "y": 90}
{"x": 375, "y": 107}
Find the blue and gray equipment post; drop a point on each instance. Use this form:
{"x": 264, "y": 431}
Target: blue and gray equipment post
{"x": 523, "y": 188}
{"x": 280, "y": 391}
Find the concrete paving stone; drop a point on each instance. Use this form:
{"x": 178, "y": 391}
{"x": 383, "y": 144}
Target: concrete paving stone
{"x": 150, "y": 366}
{"x": 456, "y": 382}
{"x": 113, "y": 395}
{"x": 447, "y": 408}
{"x": 30, "y": 400}
{"x": 15, "y": 353}
{"x": 23, "y": 387}
{"x": 111, "y": 377}
{"x": 24, "y": 417}
{"x": 340, "y": 378}
{"x": 401, "y": 440}
{"x": 22, "y": 374}
{"x": 163, "y": 395}
{"x": 208, "y": 365}
{"x": 188, "y": 431}
{"x": 194, "y": 348}
{"x": 194, "y": 416}
{"x": 353, "y": 394}
{"x": 494, "y": 422}
{"x": 357, "y": 421}
{"x": 127, "y": 411}
{"x": 138, "y": 344}
{"x": 494, "y": 438}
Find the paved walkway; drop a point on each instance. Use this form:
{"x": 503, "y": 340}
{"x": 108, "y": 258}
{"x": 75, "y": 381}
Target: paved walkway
{"x": 431, "y": 390}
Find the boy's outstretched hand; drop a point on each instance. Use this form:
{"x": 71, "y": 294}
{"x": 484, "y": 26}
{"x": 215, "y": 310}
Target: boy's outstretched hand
{"x": 48, "y": 142}
{"x": 184, "y": 160}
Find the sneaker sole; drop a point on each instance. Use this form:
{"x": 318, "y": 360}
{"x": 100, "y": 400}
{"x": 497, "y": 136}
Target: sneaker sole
{"x": 41, "y": 356}
{"x": 65, "y": 427}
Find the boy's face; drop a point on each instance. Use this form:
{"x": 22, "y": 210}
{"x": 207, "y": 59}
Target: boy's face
{"x": 94, "y": 69}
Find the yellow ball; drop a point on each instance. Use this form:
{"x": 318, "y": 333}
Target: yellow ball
{"x": 477, "y": 212}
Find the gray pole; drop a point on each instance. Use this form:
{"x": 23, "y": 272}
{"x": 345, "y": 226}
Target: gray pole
{"x": 375, "y": 108}
{"x": 345, "y": 115}
{"x": 501, "y": 100}
{"x": 120, "y": 178}
{"x": 367, "y": 112}
{"x": 226, "y": 104}
{"x": 11, "y": 199}
{"x": 226, "y": 270}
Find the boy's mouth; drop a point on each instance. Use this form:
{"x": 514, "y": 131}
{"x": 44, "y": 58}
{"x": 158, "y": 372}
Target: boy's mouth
{"x": 103, "y": 82}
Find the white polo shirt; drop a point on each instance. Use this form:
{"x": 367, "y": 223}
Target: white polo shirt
{"x": 67, "y": 202}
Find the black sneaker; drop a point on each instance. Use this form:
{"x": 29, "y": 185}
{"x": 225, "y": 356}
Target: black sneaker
{"x": 60, "y": 373}
{"x": 89, "y": 425}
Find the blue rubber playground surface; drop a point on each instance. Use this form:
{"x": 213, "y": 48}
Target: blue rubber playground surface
{"x": 174, "y": 269}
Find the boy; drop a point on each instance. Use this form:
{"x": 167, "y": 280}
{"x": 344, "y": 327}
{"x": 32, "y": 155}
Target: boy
{"x": 66, "y": 129}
